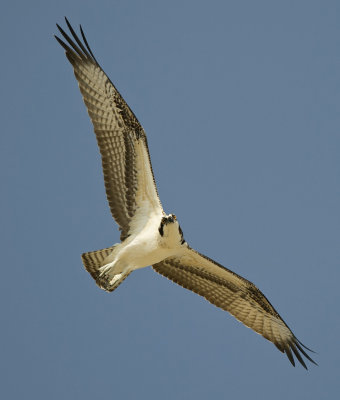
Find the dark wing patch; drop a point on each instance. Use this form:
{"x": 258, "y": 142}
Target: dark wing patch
{"x": 121, "y": 139}
{"x": 234, "y": 294}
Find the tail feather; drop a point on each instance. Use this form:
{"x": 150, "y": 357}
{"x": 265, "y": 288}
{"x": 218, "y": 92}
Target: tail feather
{"x": 109, "y": 282}
{"x": 94, "y": 260}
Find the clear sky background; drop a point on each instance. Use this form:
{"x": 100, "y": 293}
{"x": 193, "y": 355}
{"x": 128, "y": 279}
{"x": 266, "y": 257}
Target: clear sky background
{"x": 240, "y": 101}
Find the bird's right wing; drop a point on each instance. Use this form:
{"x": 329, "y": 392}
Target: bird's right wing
{"x": 234, "y": 294}
{"x": 129, "y": 181}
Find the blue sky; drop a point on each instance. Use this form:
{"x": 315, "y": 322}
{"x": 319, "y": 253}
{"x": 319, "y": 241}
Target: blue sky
{"x": 240, "y": 102}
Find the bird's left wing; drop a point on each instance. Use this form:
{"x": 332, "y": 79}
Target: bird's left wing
{"x": 129, "y": 182}
{"x": 234, "y": 294}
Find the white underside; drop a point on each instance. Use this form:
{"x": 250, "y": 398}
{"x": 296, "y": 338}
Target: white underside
{"x": 146, "y": 248}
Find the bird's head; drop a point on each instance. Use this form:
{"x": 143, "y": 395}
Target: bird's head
{"x": 169, "y": 227}
{"x": 166, "y": 220}
{"x": 169, "y": 219}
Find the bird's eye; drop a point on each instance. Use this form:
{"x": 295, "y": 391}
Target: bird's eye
{"x": 174, "y": 217}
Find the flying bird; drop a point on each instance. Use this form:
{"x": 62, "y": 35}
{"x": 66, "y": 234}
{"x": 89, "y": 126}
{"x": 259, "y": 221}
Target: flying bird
{"x": 149, "y": 236}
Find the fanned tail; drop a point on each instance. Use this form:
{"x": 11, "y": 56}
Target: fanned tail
{"x": 94, "y": 261}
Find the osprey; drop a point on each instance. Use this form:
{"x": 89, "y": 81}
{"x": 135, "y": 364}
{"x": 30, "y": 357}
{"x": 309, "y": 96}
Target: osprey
{"x": 148, "y": 235}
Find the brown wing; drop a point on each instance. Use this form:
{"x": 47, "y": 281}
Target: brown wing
{"x": 129, "y": 182}
{"x": 234, "y": 294}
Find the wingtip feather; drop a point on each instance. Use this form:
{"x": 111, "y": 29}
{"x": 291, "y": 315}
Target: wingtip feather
{"x": 299, "y": 346}
{"x": 290, "y": 355}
